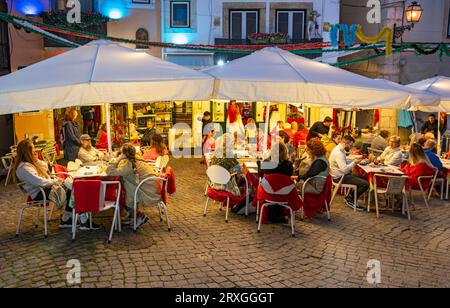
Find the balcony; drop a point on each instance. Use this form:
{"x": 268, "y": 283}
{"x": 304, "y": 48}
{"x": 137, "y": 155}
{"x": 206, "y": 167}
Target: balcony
{"x": 244, "y": 42}
{"x": 92, "y": 22}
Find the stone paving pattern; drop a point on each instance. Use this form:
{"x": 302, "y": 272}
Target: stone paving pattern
{"x": 206, "y": 252}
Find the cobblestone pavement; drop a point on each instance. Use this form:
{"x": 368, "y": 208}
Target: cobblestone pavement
{"x": 207, "y": 252}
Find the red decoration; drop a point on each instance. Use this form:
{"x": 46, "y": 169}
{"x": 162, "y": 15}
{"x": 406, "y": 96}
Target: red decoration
{"x": 116, "y": 127}
{"x": 120, "y": 132}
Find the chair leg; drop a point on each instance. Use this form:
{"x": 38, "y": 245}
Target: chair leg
{"x": 257, "y": 212}
{"x": 369, "y": 200}
{"x": 8, "y": 176}
{"x": 442, "y": 190}
{"x": 206, "y": 207}
{"x": 74, "y": 225}
{"x": 90, "y": 220}
{"x": 292, "y": 222}
{"x": 334, "y": 194}
{"x": 302, "y": 214}
{"x": 113, "y": 224}
{"x": 355, "y": 198}
{"x": 328, "y": 210}
{"x": 376, "y": 205}
{"x": 406, "y": 205}
{"x": 45, "y": 221}
{"x": 20, "y": 220}
{"x": 228, "y": 206}
{"x": 426, "y": 202}
{"x": 167, "y": 215}
{"x": 260, "y": 217}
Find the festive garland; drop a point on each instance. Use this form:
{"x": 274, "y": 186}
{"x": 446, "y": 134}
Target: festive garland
{"x": 386, "y": 33}
{"x": 89, "y": 19}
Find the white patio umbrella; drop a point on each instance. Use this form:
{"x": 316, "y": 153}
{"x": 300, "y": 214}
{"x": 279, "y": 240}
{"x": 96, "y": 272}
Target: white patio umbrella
{"x": 97, "y": 73}
{"x": 440, "y": 86}
{"x": 275, "y": 75}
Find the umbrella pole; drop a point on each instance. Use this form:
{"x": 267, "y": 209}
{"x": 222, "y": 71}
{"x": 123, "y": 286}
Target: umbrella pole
{"x": 266, "y": 129}
{"x": 439, "y": 146}
{"x": 108, "y": 127}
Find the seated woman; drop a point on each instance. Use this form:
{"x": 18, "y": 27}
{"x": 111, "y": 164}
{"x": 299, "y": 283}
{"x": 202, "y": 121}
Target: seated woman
{"x": 392, "y": 155}
{"x": 301, "y": 135}
{"x": 158, "y": 148}
{"x": 133, "y": 170}
{"x": 224, "y": 157}
{"x": 418, "y": 165}
{"x": 316, "y": 165}
{"x": 33, "y": 174}
{"x": 279, "y": 162}
{"x": 102, "y": 138}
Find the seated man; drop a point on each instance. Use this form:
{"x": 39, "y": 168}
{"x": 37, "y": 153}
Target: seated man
{"x": 330, "y": 144}
{"x": 429, "y": 148}
{"x": 88, "y": 154}
{"x": 392, "y": 155}
{"x": 341, "y": 167}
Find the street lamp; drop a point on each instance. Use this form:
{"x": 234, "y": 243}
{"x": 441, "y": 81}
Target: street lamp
{"x": 413, "y": 14}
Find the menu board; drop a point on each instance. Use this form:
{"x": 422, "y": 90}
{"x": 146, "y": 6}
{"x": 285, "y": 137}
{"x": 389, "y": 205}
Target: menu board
{"x": 218, "y": 112}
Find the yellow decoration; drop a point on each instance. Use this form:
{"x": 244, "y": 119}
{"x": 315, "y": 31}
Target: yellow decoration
{"x": 386, "y": 32}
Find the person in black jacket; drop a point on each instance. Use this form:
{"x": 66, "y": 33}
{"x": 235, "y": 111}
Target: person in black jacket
{"x": 279, "y": 162}
{"x": 72, "y": 136}
{"x": 430, "y": 126}
{"x": 320, "y": 129}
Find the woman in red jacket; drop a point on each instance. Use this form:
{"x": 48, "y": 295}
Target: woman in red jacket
{"x": 418, "y": 165}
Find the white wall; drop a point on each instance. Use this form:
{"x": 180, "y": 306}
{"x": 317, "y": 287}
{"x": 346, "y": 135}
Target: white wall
{"x": 207, "y": 10}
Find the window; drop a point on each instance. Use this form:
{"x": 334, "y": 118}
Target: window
{"x": 448, "y": 26}
{"x": 180, "y": 14}
{"x": 292, "y": 23}
{"x": 243, "y": 23}
{"x": 141, "y": 35}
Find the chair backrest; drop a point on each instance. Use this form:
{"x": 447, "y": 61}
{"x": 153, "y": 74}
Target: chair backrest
{"x": 89, "y": 195}
{"x": 218, "y": 175}
{"x": 396, "y": 184}
{"x": 162, "y": 161}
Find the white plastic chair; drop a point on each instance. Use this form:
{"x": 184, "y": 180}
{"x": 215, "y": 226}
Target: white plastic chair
{"x": 303, "y": 196}
{"x": 422, "y": 191}
{"x": 221, "y": 176}
{"x": 161, "y": 205}
{"x": 104, "y": 206}
{"x": 8, "y": 162}
{"x": 160, "y": 163}
{"x": 395, "y": 187}
{"x": 37, "y": 205}
{"x": 433, "y": 184}
{"x": 340, "y": 185}
{"x": 283, "y": 205}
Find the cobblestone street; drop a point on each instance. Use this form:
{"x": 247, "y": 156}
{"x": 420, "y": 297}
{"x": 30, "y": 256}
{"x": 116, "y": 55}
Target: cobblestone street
{"x": 207, "y": 252}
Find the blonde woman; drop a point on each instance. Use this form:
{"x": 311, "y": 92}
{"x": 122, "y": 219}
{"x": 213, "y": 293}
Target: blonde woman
{"x": 133, "y": 170}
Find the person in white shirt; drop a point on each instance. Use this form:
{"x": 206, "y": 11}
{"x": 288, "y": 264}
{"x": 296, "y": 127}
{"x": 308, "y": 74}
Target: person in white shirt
{"x": 392, "y": 155}
{"x": 88, "y": 154}
{"x": 340, "y": 167}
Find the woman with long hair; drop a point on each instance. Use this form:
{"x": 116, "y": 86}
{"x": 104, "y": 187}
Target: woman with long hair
{"x": 315, "y": 165}
{"x": 133, "y": 169}
{"x": 72, "y": 136}
{"x": 418, "y": 165}
{"x": 157, "y": 149}
{"x": 102, "y": 138}
{"x": 33, "y": 174}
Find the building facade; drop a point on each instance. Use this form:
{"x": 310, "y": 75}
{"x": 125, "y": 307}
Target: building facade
{"x": 405, "y": 68}
{"x": 129, "y": 19}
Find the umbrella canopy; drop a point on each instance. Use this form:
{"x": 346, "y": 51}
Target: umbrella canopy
{"x": 100, "y": 72}
{"x": 418, "y": 97}
{"x": 275, "y": 75}
{"x": 440, "y": 86}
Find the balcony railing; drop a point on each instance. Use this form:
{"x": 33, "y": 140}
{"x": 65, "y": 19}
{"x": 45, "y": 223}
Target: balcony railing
{"x": 242, "y": 42}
